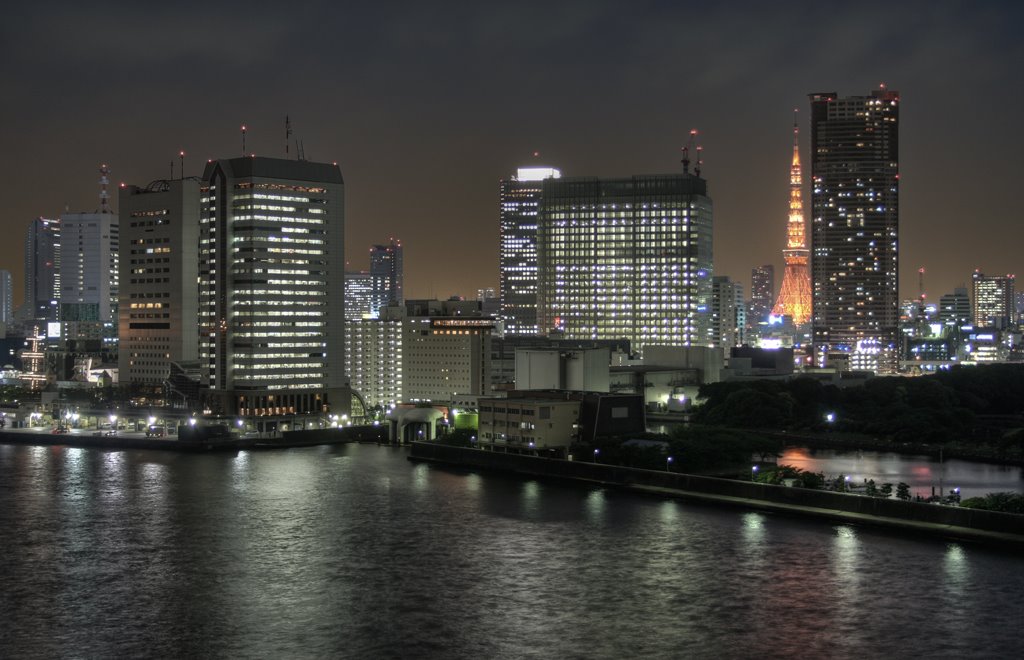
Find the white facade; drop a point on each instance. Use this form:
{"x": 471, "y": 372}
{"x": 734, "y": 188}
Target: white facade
{"x": 585, "y": 370}
{"x": 626, "y": 258}
{"x": 89, "y": 275}
{"x": 373, "y": 359}
{"x": 445, "y": 358}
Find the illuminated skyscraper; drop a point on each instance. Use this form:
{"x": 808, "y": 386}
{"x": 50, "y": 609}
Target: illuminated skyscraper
{"x": 795, "y": 294}
{"x": 271, "y": 281}
{"x": 520, "y": 197}
{"x": 359, "y": 298}
{"x": 855, "y": 228}
{"x": 992, "y": 300}
{"x": 626, "y": 258}
{"x": 762, "y": 293}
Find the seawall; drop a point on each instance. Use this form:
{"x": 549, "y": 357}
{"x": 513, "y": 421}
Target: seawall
{"x": 946, "y": 521}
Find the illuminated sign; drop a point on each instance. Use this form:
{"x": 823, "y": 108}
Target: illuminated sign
{"x": 462, "y": 324}
{"x": 537, "y": 173}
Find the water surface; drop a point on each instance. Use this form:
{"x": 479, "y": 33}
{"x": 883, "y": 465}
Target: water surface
{"x": 353, "y": 551}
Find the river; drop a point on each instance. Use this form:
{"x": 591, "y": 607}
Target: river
{"x": 353, "y": 551}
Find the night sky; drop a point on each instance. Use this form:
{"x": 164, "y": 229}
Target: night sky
{"x": 426, "y": 105}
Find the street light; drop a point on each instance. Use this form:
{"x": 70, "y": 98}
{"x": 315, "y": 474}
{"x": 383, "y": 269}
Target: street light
{"x": 753, "y": 471}
{"x": 830, "y": 417}
{"x": 596, "y": 452}
{"x": 847, "y": 484}
{"x": 192, "y": 421}
{"x": 668, "y": 464}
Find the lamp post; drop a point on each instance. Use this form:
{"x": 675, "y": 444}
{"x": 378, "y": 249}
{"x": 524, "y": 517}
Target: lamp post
{"x": 596, "y": 452}
{"x": 846, "y": 484}
{"x": 753, "y": 471}
{"x": 668, "y": 464}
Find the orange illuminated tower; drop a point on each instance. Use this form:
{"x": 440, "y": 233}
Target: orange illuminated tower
{"x": 795, "y": 296}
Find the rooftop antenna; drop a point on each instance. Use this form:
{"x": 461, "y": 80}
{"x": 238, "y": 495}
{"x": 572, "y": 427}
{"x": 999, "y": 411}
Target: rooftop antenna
{"x": 243, "y": 139}
{"x": 104, "y": 196}
{"x": 700, "y": 160}
{"x": 686, "y": 152}
{"x": 172, "y": 169}
{"x": 181, "y": 155}
{"x": 287, "y": 133}
{"x": 301, "y": 155}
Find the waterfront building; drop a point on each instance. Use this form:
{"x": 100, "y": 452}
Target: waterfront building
{"x": 271, "y": 270}
{"x": 992, "y": 300}
{"x": 795, "y": 295}
{"x": 42, "y": 271}
{"x": 519, "y": 199}
{"x": 762, "y": 294}
{"x": 446, "y": 351}
{"x": 373, "y": 356}
{"x": 626, "y": 258}
{"x": 855, "y": 229}
{"x": 159, "y": 269}
{"x": 529, "y": 423}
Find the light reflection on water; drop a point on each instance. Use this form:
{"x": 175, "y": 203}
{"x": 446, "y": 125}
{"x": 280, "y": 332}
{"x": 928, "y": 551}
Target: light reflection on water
{"x": 355, "y": 552}
{"x": 921, "y": 473}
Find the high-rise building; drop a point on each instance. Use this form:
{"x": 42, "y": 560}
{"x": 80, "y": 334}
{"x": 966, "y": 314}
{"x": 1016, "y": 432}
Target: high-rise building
{"x": 369, "y": 291}
{"x": 90, "y": 271}
{"x": 386, "y": 275}
{"x": 955, "y": 308}
{"x": 42, "y": 271}
{"x": 158, "y": 295}
{"x": 6, "y": 298}
{"x": 795, "y": 295}
{"x": 855, "y": 228}
{"x": 271, "y": 272}
{"x": 728, "y": 313}
{"x": 89, "y": 275}
{"x": 519, "y": 199}
{"x": 359, "y": 296}
{"x": 762, "y": 294}
{"x": 626, "y": 258}
{"x": 373, "y": 356}
{"x": 992, "y": 300}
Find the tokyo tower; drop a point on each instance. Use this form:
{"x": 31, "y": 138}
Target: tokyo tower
{"x": 795, "y": 296}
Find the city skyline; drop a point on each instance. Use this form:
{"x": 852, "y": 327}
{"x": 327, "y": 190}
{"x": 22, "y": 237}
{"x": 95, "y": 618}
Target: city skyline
{"x": 415, "y": 106}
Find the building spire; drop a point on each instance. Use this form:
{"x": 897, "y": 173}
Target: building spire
{"x": 795, "y": 296}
